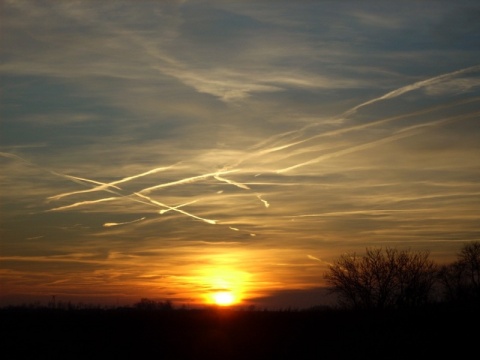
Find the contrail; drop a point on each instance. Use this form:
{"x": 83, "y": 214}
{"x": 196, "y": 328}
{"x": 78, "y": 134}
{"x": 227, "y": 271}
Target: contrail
{"x": 175, "y": 209}
{"x": 265, "y": 202}
{"x": 349, "y": 129}
{"x": 409, "y": 131}
{"x": 184, "y": 181}
{"x": 389, "y": 95}
{"x": 411, "y": 87}
{"x": 123, "y": 223}
{"x": 104, "y": 186}
{"x": 270, "y": 145}
{"x": 86, "y": 202}
{"x": 107, "y": 186}
{"x": 357, "y": 212}
{"x": 438, "y": 122}
{"x": 311, "y": 257}
{"x": 242, "y": 186}
{"x": 344, "y": 152}
{"x": 367, "y": 125}
{"x": 161, "y": 212}
{"x": 69, "y": 177}
{"x": 231, "y": 182}
{"x": 79, "y": 180}
{"x": 74, "y": 178}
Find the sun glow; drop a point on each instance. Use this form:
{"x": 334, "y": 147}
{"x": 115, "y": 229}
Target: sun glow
{"x": 224, "y": 298}
{"x": 224, "y": 285}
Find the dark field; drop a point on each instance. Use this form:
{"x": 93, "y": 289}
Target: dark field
{"x": 126, "y": 333}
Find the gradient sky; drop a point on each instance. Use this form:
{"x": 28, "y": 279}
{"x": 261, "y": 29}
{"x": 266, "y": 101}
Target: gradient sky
{"x": 170, "y": 149}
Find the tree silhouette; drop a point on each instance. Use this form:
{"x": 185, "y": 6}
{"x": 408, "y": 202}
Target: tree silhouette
{"x": 461, "y": 279}
{"x": 382, "y": 279}
{"x": 149, "y": 304}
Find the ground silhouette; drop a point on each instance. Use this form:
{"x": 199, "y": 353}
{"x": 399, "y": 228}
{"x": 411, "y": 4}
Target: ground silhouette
{"x": 217, "y": 333}
{"x": 447, "y": 327}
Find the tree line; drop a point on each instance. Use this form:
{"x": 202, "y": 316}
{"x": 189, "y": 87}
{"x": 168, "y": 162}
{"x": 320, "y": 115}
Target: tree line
{"x": 392, "y": 279}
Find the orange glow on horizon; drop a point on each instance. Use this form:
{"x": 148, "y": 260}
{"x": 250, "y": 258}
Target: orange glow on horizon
{"x": 225, "y": 286}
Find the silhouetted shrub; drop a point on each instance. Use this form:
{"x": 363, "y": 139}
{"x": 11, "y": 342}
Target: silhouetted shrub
{"x": 461, "y": 279}
{"x": 382, "y": 279}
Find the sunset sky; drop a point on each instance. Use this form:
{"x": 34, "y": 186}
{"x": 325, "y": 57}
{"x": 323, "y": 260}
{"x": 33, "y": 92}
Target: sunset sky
{"x": 177, "y": 149}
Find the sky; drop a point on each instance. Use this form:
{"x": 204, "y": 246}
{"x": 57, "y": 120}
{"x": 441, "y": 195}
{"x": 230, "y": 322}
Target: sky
{"x": 175, "y": 149}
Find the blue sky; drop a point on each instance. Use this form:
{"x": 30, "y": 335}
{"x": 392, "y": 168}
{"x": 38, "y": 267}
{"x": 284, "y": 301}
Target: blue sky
{"x": 174, "y": 149}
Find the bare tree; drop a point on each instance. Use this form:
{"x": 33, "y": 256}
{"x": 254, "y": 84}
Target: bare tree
{"x": 461, "y": 279}
{"x": 381, "y": 279}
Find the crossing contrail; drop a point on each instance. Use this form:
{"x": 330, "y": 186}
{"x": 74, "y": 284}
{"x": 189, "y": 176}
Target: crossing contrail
{"x": 390, "y": 95}
{"x": 175, "y": 209}
{"x": 406, "y": 132}
{"x": 104, "y": 186}
{"x": 274, "y": 144}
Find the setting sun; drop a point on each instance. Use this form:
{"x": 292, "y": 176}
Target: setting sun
{"x": 224, "y": 283}
{"x": 223, "y": 298}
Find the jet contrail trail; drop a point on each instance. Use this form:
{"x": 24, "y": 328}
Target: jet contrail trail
{"x": 175, "y": 209}
{"x": 409, "y": 131}
{"x": 123, "y": 223}
{"x": 82, "y": 181}
{"x": 107, "y": 186}
{"x": 266, "y": 151}
{"x": 366, "y": 125}
{"x": 441, "y": 121}
{"x": 411, "y": 87}
{"x": 104, "y": 186}
{"x": 265, "y": 202}
{"x": 172, "y": 208}
{"x": 80, "y": 203}
{"x": 184, "y": 181}
{"x": 275, "y": 143}
{"x": 231, "y": 182}
{"x": 345, "y": 151}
